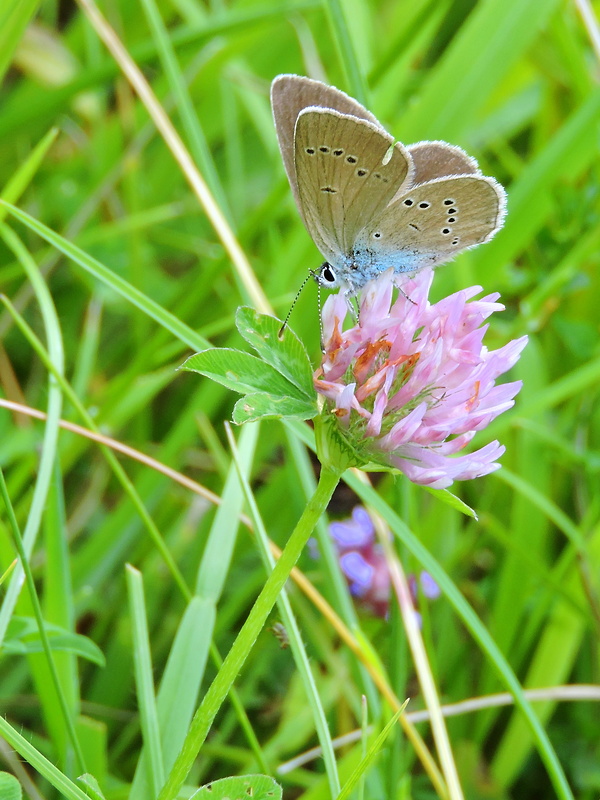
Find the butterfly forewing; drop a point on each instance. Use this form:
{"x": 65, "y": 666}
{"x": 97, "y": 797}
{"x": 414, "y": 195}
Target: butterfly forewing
{"x": 292, "y": 93}
{"x": 432, "y": 222}
{"x": 346, "y": 176}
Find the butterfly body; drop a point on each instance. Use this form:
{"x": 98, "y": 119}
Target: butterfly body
{"x": 368, "y": 202}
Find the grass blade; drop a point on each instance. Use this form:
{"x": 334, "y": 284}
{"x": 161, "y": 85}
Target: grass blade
{"x": 142, "y": 663}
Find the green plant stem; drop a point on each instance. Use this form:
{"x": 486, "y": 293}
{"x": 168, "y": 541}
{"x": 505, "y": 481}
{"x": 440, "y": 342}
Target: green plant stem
{"x": 243, "y": 720}
{"x": 218, "y": 690}
{"x": 295, "y": 639}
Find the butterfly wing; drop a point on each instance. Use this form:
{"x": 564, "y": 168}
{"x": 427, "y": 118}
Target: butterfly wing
{"x": 348, "y": 170}
{"x": 360, "y": 210}
{"x": 439, "y": 160}
{"x": 430, "y": 223}
{"x": 292, "y": 93}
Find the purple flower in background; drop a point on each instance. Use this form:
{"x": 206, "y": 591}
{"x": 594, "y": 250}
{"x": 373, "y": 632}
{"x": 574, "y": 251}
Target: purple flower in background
{"x": 410, "y": 383}
{"x": 364, "y": 566}
{"x": 355, "y": 532}
{"x": 429, "y": 587}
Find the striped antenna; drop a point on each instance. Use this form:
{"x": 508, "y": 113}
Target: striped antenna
{"x": 302, "y": 285}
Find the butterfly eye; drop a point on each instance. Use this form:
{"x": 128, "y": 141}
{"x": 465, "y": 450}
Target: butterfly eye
{"x": 448, "y": 202}
{"x": 324, "y": 148}
{"x": 351, "y": 159}
{"x": 310, "y": 151}
{"x": 338, "y": 152}
{"x": 377, "y": 235}
{"x": 446, "y": 231}
{"x": 451, "y": 219}
{"x": 424, "y": 204}
{"x": 327, "y": 275}
{"x": 408, "y": 202}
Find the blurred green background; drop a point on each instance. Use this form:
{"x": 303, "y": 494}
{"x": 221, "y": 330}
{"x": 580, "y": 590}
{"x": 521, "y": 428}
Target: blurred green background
{"x": 514, "y": 82}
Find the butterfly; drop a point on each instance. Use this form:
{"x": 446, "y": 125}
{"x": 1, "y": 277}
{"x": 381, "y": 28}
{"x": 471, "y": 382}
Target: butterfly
{"x": 369, "y": 202}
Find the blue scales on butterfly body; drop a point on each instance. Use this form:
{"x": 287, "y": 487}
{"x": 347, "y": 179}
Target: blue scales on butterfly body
{"x": 368, "y": 202}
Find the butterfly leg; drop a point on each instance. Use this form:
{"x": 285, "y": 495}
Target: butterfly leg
{"x": 401, "y": 290}
{"x": 349, "y": 294}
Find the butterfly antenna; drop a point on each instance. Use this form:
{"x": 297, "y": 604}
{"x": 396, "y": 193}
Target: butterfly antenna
{"x": 294, "y": 301}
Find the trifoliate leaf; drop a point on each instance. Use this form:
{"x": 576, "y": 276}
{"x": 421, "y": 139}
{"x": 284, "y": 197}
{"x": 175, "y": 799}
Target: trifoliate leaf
{"x": 241, "y": 372}
{"x": 262, "y": 405}
{"x": 287, "y": 354}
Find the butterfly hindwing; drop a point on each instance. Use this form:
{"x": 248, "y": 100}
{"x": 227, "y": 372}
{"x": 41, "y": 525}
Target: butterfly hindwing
{"x": 439, "y": 160}
{"x": 432, "y": 222}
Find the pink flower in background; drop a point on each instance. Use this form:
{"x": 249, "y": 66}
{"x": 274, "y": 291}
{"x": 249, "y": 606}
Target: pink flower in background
{"x": 364, "y": 566}
{"x": 410, "y": 383}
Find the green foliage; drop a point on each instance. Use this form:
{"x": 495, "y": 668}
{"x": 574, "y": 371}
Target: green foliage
{"x": 10, "y": 788}
{"x": 282, "y": 390}
{"x": 119, "y": 272}
{"x": 372, "y": 752}
{"x": 260, "y": 787}
{"x": 22, "y": 637}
